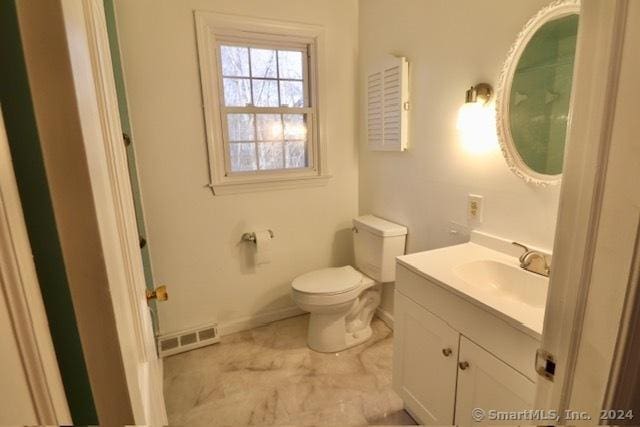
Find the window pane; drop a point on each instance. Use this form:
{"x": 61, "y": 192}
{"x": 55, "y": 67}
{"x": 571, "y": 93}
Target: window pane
{"x": 263, "y": 63}
{"x": 295, "y": 154}
{"x": 269, "y": 127}
{"x": 294, "y": 126}
{"x": 291, "y": 94}
{"x": 235, "y": 61}
{"x": 271, "y": 156}
{"x": 290, "y": 64}
{"x": 243, "y": 156}
{"x": 265, "y": 93}
{"x": 237, "y": 92}
{"x": 241, "y": 127}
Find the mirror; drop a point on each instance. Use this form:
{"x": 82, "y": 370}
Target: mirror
{"x": 534, "y": 94}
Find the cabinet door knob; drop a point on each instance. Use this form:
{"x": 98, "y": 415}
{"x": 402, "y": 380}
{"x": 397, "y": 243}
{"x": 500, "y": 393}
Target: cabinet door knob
{"x": 463, "y": 365}
{"x": 447, "y": 352}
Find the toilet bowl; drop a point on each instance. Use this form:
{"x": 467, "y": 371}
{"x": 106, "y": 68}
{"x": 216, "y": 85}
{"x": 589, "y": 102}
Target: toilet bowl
{"x": 342, "y": 300}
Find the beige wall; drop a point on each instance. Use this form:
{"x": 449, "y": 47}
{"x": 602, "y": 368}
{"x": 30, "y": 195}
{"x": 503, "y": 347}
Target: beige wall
{"x": 194, "y": 237}
{"x": 451, "y": 45}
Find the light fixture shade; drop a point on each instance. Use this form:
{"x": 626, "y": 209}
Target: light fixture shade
{"x": 476, "y": 128}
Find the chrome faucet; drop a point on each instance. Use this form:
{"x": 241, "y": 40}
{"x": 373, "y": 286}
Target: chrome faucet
{"x": 533, "y": 261}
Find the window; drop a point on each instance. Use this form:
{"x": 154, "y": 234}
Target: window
{"x": 264, "y": 107}
{"x": 260, "y": 90}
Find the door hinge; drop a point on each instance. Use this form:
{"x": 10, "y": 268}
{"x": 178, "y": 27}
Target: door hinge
{"x": 127, "y": 139}
{"x": 545, "y": 364}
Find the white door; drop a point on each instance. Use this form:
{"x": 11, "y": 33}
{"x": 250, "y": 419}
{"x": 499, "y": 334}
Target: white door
{"x": 486, "y": 383}
{"x": 424, "y": 363}
{"x": 126, "y": 377}
{"x": 596, "y": 251}
{"x": 66, "y": 50}
{"x": 616, "y": 259}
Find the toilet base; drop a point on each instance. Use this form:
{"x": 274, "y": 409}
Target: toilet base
{"x": 330, "y": 332}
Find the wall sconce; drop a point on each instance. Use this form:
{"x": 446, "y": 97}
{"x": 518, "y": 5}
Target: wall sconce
{"x": 476, "y": 120}
{"x": 479, "y": 93}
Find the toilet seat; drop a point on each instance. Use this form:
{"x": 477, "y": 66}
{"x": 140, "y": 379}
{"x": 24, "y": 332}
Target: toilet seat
{"x": 330, "y": 286}
{"x": 328, "y": 281}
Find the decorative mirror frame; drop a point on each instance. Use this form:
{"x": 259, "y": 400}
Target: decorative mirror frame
{"x": 554, "y": 10}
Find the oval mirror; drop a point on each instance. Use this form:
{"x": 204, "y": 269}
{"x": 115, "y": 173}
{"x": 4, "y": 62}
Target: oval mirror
{"x": 534, "y": 93}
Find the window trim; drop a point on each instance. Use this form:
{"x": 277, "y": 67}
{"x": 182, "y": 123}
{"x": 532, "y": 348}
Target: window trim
{"x": 211, "y": 30}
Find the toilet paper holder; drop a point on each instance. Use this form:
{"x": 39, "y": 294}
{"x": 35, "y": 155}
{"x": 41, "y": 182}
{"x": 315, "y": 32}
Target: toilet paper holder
{"x": 251, "y": 237}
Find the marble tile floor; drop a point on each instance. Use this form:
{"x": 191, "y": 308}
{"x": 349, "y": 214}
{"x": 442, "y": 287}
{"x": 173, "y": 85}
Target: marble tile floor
{"x": 268, "y": 376}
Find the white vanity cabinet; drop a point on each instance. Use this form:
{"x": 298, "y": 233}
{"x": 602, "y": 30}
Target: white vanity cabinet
{"x": 488, "y": 383}
{"x": 425, "y": 362}
{"x": 451, "y": 356}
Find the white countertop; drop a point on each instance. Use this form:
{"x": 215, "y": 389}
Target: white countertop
{"x": 438, "y": 266}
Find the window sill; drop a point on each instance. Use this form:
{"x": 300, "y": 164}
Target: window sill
{"x": 237, "y": 187}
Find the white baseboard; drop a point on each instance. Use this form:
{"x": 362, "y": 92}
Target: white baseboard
{"x": 385, "y": 316}
{"x": 250, "y": 322}
{"x": 262, "y": 319}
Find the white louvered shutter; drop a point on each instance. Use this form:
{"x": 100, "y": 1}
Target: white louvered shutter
{"x": 388, "y": 105}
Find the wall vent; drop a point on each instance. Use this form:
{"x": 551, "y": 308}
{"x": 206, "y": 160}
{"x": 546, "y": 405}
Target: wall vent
{"x": 188, "y": 340}
{"x": 207, "y": 334}
{"x": 388, "y": 105}
{"x": 168, "y": 344}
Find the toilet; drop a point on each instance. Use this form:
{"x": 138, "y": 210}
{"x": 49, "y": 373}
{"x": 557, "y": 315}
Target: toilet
{"x": 342, "y": 300}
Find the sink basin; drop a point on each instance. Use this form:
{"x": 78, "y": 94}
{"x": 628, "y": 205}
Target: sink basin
{"x": 505, "y": 281}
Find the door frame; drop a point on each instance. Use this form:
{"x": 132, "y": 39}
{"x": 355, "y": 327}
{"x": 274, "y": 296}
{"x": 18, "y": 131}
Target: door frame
{"x": 68, "y": 61}
{"x": 123, "y": 201}
{"x": 19, "y": 283}
{"x": 596, "y": 75}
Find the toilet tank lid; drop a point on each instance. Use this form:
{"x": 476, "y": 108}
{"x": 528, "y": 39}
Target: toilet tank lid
{"x": 379, "y": 226}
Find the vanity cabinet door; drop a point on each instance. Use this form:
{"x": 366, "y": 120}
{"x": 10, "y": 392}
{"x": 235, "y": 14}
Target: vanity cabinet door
{"x": 425, "y": 362}
{"x": 487, "y": 383}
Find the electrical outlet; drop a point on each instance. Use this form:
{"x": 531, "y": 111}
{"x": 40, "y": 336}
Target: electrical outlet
{"x": 475, "y": 209}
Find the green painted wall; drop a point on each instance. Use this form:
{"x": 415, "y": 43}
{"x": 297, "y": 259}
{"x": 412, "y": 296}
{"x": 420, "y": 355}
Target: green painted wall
{"x": 19, "y": 117}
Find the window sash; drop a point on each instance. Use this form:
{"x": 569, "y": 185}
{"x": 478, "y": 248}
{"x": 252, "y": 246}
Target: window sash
{"x": 305, "y": 74}
{"x": 310, "y": 141}
{"x": 308, "y": 110}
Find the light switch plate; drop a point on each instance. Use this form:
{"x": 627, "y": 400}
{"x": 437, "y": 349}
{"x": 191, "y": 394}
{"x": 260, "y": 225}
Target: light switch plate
{"x": 475, "y": 209}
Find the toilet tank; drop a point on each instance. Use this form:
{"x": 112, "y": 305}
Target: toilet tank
{"x": 377, "y": 243}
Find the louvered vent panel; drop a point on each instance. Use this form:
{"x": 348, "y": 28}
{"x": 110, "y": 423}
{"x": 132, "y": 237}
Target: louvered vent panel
{"x": 392, "y": 105}
{"x": 374, "y": 108}
{"x": 388, "y": 105}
